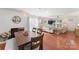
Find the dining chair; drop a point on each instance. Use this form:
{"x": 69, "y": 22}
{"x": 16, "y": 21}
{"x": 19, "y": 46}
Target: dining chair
{"x": 33, "y": 29}
{"x": 39, "y": 31}
{"x": 36, "y": 43}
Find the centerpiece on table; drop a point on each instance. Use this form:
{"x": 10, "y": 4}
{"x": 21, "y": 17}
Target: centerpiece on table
{"x": 3, "y": 37}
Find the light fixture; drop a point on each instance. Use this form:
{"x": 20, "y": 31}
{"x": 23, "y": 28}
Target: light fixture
{"x": 78, "y": 25}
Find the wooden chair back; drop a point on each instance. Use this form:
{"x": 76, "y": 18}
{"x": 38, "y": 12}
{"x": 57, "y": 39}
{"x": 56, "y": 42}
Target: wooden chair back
{"x": 39, "y": 31}
{"x": 34, "y": 29}
{"x": 37, "y": 42}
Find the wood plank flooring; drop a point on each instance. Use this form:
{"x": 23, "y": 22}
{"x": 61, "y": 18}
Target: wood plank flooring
{"x": 66, "y": 41}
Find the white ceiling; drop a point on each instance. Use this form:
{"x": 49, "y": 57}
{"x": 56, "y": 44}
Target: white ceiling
{"x": 48, "y": 11}
{"x": 51, "y": 11}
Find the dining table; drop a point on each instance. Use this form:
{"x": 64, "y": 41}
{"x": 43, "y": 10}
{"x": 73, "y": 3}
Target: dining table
{"x": 22, "y": 39}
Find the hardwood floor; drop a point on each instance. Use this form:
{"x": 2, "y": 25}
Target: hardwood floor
{"x": 66, "y": 41}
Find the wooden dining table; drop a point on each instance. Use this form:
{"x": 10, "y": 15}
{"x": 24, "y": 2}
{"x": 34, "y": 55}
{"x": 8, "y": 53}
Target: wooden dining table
{"x": 66, "y": 41}
{"x": 22, "y": 39}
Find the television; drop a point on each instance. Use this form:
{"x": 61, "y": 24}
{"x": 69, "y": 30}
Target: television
{"x": 50, "y": 22}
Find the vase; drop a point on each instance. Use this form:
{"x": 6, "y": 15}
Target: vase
{"x": 2, "y": 45}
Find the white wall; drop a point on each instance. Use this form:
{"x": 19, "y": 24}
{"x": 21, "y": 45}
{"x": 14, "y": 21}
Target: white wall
{"x": 6, "y": 20}
{"x": 6, "y": 23}
{"x": 71, "y": 23}
{"x": 73, "y": 20}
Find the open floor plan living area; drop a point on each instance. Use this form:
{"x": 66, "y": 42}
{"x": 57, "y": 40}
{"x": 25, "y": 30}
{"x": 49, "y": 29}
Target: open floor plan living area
{"x": 39, "y": 28}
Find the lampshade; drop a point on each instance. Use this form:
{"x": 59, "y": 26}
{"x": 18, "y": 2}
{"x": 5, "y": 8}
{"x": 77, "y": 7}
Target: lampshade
{"x": 78, "y": 25}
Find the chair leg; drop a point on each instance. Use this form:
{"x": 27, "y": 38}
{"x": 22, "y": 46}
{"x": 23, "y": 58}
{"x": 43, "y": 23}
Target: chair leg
{"x": 41, "y": 46}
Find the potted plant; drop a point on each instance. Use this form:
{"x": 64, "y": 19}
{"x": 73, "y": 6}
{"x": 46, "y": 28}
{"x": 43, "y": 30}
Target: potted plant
{"x": 3, "y": 37}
